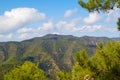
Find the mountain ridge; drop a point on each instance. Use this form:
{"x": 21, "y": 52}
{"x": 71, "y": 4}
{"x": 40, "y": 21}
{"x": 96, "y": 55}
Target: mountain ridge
{"x": 57, "y": 35}
{"x": 71, "y": 36}
{"x": 52, "y": 52}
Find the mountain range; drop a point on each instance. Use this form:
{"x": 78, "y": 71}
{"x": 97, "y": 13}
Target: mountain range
{"x": 51, "y": 52}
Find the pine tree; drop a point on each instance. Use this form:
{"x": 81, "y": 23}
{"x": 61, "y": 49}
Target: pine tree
{"x": 28, "y": 71}
{"x": 101, "y": 5}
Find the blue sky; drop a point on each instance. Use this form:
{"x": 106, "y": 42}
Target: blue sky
{"x": 25, "y": 19}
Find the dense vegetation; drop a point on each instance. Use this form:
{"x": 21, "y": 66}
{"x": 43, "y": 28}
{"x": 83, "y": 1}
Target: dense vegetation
{"x": 28, "y": 71}
{"x": 51, "y": 53}
{"x": 103, "y": 65}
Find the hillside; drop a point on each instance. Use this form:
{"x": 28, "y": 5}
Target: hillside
{"x": 51, "y": 52}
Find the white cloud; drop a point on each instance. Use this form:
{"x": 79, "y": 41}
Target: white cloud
{"x": 64, "y": 26}
{"x": 92, "y": 18}
{"x": 27, "y": 33}
{"x": 93, "y": 28}
{"x": 18, "y": 17}
{"x": 73, "y": 26}
{"x": 24, "y": 36}
{"x": 7, "y": 36}
{"x": 24, "y": 30}
{"x": 69, "y": 13}
{"x": 46, "y": 26}
{"x": 67, "y": 26}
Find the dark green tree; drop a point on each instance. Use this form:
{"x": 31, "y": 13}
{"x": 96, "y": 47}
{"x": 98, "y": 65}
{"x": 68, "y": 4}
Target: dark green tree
{"x": 101, "y": 5}
{"x": 28, "y": 71}
{"x": 118, "y": 23}
{"x": 107, "y": 61}
{"x": 81, "y": 58}
{"x": 63, "y": 75}
{"x": 103, "y": 65}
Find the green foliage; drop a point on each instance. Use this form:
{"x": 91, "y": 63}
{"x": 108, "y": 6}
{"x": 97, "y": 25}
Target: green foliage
{"x": 28, "y": 71}
{"x": 81, "y": 57}
{"x": 104, "y": 65}
{"x": 118, "y": 23}
{"x": 63, "y": 75}
{"x": 108, "y": 61}
{"x": 52, "y": 53}
{"x": 101, "y": 5}
{"x": 79, "y": 72}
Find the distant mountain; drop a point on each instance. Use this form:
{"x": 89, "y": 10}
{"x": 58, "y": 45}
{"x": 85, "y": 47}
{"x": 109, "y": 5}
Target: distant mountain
{"x": 51, "y": 52}
{"x": 115, "y": 39}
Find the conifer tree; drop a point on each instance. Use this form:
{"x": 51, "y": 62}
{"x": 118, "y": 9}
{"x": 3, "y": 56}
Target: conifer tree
{"x": 28, "y": 71}
{"x": 101, "y": 5}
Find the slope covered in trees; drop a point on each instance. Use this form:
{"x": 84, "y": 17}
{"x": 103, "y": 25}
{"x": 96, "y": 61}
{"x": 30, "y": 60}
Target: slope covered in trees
{"x": 52, "y": 53}
{"x": 103, "y": 65}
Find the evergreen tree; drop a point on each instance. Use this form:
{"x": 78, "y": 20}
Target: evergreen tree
{"x": 63, "y": 75}
{"x": 101, "y": 5}
{"x": 103, "y": 65}
{"x": 28, "y": 71}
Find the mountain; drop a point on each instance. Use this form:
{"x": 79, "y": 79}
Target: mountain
{"x": 51, "y": 52}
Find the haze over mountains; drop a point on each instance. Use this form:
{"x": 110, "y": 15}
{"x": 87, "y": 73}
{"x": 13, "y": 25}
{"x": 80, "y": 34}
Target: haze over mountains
{"x": 51, "y": 52}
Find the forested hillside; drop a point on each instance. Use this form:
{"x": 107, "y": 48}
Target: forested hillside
{"x": 103, "y": 65}
{"x": 52, "y": 53}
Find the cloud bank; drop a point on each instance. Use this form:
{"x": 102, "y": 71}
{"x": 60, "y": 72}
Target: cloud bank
{"x": 18, "y": 24}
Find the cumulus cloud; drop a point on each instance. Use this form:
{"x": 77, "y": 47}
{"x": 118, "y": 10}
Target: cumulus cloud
{"x": 73, "y": 26}
{"x": 92, "y": 18}
{"x": 67, "y": 26}
{"x": 30, "y": 32}
{"x": 69, "y": 13}
{"x": 18, "y": 17}
{"x": 17, "y": 22}
{"x": 46, "y": 26}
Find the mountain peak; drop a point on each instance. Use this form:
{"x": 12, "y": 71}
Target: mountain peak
{"x": 51, "y": 35}
{"x": 56, "y": 36}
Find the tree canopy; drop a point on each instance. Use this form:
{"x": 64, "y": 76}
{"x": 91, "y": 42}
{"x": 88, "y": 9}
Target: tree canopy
{"x": 103, "y": 65}
{"x": 101, "y": 5}
{"x": 28, "y": 71}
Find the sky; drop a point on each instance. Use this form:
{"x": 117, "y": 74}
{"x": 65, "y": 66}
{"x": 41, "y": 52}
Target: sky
{"x": 26, "y": 19}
